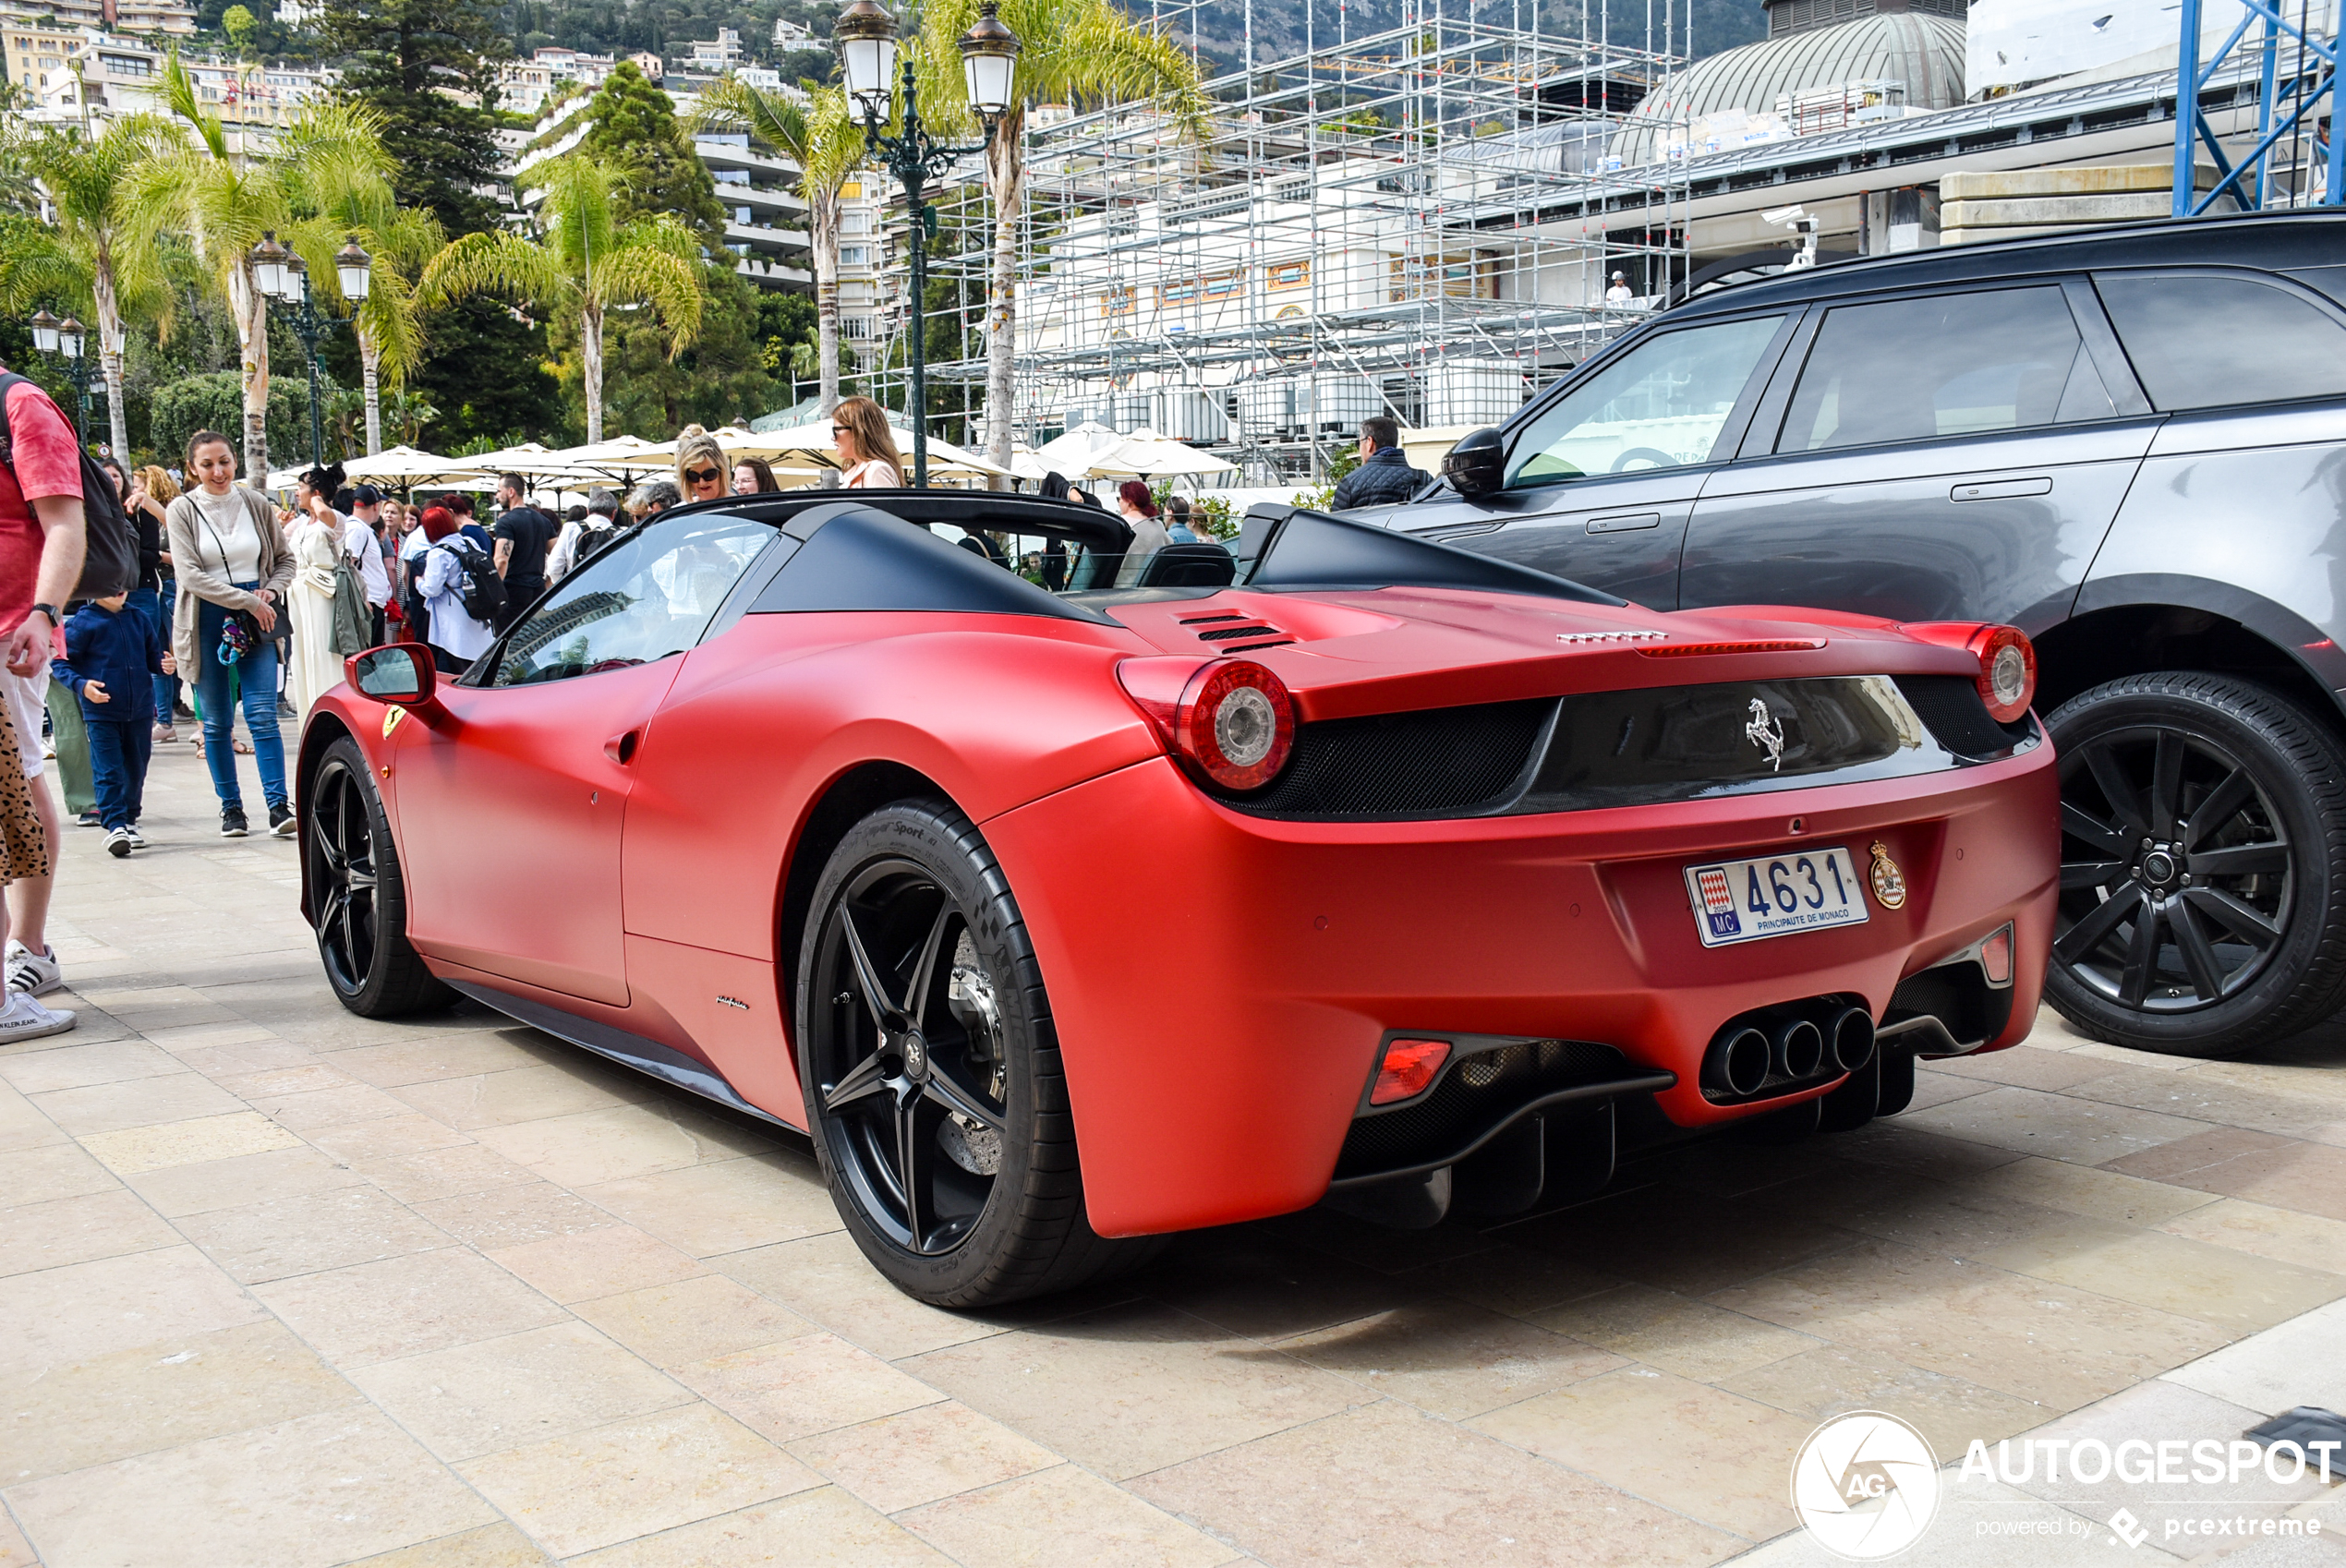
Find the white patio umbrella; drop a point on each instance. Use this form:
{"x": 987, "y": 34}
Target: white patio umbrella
{"x": 404, "y": 467}
{"x": 814, "y": 441}
{"x": 1072, "y": 452}
{"x": 1146, "y": 454}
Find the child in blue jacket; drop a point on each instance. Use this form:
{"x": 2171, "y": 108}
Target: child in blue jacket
{"x": 112, "y": 655}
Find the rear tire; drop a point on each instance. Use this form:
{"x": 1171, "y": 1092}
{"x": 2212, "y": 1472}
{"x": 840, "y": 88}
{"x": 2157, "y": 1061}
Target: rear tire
{"x": 931, "y": 1071}
{"x": 2203, "y": 903}
{"x": 358, "y": 892}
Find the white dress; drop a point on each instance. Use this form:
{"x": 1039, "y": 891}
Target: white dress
{"x": 310, "y": 601}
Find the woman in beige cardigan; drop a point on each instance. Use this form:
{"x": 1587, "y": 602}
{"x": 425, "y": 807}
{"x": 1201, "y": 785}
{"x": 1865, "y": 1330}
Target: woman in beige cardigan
{"x": 231, "y": 556}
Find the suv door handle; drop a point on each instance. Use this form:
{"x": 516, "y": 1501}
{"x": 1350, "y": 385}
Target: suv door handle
{"x": 1627, "y": 523}
{"x": 1996, "y": 490}
{"x": 620, "y": 748}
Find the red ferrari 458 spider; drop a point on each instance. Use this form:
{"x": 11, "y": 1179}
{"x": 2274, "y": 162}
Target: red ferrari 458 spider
{"x": 1067, "y": 897}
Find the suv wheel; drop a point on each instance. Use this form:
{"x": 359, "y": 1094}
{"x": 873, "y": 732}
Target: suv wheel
{"x": 2203, "y": 877}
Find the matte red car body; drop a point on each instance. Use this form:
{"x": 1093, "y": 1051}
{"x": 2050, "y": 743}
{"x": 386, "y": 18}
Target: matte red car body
{"x": 1219, "y": 982}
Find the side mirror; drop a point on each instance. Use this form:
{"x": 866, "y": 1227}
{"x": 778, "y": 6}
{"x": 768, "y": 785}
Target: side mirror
{"x": 1478, "y": 465}
{"x": 398, "y": 673}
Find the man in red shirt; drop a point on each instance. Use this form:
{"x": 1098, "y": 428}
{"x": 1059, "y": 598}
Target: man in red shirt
{"x": 41, "y": 549}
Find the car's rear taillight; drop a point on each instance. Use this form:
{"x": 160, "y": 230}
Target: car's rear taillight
{"x": 1236, "y": 723}
{"x": 2007, "y": 671}
{"x": 2007, "y": 678}
{"x": 1229, "y": 719}
{"x": 1407, "y": 1068}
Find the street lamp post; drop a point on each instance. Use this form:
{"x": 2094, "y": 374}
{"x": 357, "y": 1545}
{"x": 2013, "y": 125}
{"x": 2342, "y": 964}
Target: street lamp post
{"x": 284, "y": 277}
{"x": 866, "y": 35}
{"x": 67, "y": 338}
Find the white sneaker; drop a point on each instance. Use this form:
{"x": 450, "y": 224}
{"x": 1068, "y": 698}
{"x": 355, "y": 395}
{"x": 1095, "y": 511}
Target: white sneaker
{"x": 118, "y": 842}
{"x": 32, "y": 972}
{"x": 24, "y": 1019}
{"x": 138, "y": 840}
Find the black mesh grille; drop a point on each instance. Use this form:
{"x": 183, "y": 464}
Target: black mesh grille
{"x": 1450, "y": 759}
{"x": 1477, "y": 1094}
{"x": 1951, "y": 708}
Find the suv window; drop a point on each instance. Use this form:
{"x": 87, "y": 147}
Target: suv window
{"x": 2200, "y": 342}
{"x": 1660, "y": 406}
{"x": 1943, "y": 365}
{"x": 645, "y": 597}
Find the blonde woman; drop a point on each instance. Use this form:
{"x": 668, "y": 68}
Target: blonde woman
{"x": 867, "y": 452}
{"x": 701, "y": 469}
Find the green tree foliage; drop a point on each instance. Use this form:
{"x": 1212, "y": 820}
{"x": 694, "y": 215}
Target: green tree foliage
{"x": 399, "y": 56}
{"x": 633, "y": 125}
{"x": 485, "y": 372}
{"x": 652, "y": 391}
{"x": 238, "y": 24}
{"x": 216, "y": 401}
{"x": 584, "y": 265}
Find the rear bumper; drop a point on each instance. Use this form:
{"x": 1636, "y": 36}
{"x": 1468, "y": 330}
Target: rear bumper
{"x": 1221, "y": 983}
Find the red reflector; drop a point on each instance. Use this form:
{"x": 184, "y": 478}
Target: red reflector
{"x": 1410, "y": 1065}
{"x": 1696, "y": 650}
{"x": 1995, "y": 957}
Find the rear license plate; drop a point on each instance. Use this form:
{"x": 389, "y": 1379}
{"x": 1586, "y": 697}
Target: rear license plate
{"x": 1775, "y": 895}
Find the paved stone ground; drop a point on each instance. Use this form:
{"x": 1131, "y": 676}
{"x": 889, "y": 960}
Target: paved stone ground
{"x": 280, "y": 1286}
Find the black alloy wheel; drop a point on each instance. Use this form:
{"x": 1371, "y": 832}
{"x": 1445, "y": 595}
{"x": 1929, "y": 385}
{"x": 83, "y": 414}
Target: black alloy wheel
{"x": 358, "y": 899}
{"x": 2203, "y": 875}
{"x": 931, "y": 1071}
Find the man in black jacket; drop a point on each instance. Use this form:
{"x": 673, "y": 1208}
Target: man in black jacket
{"x": 1384, "y": 477}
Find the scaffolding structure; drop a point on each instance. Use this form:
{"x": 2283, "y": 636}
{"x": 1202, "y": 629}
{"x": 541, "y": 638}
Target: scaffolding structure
{"x": 1423, "y": 220}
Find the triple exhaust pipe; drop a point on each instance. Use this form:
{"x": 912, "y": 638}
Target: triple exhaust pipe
{"x": 1786, "y": 1046}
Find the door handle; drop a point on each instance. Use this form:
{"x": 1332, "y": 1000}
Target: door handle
{"x": 1997, "y": 489}
{"x": 620, "y": 748}
{"x": 1624, "y": 524}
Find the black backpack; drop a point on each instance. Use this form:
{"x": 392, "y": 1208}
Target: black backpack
{"x": 484, "y": 590}
{"x": 110, "y": 559}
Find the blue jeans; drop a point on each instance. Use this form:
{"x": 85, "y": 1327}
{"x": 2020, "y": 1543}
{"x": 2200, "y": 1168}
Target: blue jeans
{"x": 147, "y": 602}
{"x": 118, "y": 753}
{"x": 217, "y": 687}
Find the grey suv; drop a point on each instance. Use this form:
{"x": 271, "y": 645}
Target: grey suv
{"x": 2131, "y": 444}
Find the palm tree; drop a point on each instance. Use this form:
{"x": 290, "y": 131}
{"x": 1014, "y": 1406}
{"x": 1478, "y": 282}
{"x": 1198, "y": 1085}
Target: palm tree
{"x": 584, "y": 260}
{"x": 223, "y": 199}
{"x": 96, "y": 253}
{"x": 822, "y": 141}
{"x": 389, "y": 321}
{"x": 1071, "y": 51}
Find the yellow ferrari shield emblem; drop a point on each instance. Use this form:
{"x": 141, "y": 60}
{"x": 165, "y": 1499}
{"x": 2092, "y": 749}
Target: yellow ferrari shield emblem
{"x": 1889, "y": 881}
{"x": 394, "y": 715}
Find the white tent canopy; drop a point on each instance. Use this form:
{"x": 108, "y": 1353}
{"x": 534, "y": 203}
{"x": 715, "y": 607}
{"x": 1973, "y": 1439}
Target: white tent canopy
{"x": 1092, "y": 451}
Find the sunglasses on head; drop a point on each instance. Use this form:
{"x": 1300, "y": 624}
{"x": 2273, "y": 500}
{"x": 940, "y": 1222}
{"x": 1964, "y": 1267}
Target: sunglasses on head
{"x": 703, "y": 475}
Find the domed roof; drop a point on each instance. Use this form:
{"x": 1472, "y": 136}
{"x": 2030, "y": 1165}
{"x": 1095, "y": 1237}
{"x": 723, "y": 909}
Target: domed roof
{"x": 1924, "y": 52}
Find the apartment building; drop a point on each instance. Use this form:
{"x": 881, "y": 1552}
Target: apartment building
{"x": 765, "y": 218}
{"x": 717, "y": 56}
{"x": 39, "y": 55}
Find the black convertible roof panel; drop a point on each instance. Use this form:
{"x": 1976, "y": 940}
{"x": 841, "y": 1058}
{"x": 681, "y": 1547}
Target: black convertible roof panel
{"x": 1291, "y": 547}
{"x": 855, "y": 556}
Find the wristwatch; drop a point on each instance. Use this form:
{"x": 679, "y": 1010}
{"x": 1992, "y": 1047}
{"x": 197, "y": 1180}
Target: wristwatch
{"x": 50, "y": 611}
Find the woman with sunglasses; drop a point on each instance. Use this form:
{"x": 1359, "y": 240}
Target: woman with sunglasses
{"x": 702, "y": 472}
{"x": 866, "y": 452}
